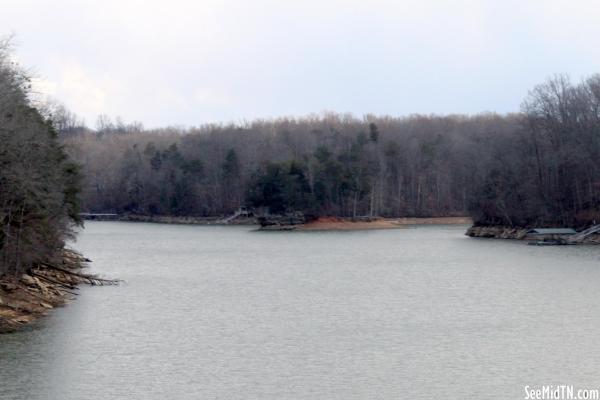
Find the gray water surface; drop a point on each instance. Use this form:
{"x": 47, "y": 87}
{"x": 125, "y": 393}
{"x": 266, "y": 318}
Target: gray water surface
{"x": 228, "y": 313}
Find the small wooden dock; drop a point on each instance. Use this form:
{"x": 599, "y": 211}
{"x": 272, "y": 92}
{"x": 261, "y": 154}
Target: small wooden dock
{"x": 99, "y": 216}
{"x": 559, "y": 236}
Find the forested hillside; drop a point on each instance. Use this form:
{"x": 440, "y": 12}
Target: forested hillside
{"x": 547, "y": 172}
{"x": 38, "y": 184}
{"x": 539, "y": 166}
{"x": 330, "y": 164}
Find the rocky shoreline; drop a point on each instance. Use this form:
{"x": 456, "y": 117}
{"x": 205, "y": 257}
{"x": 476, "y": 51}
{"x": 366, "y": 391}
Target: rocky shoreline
{"x": 354, "y": 224}
{"x": 26, "y": 298}
{"x": 507, "y": 232}
{"x": 497, "y": 232}
{"x": 168, "y": 219}
{"x": 288, "y": 222}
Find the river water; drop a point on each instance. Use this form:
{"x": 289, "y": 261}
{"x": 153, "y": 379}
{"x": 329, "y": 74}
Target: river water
{"x": 230, "y": 313}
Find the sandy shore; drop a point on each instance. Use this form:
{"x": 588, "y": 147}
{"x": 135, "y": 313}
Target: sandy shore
{"x": 333, "y": 223}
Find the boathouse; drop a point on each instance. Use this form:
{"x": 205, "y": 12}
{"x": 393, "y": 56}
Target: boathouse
{"x": 549, "y": 233}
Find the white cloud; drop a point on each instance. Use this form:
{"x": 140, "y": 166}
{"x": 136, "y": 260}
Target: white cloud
{"x": 81, "y": 90}
{"x": 197, "y": 61}
{"x": 209, "y": 96}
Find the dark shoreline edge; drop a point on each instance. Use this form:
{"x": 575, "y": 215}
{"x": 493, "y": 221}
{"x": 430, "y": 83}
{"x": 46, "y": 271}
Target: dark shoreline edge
{"x": 514, "y": 233}
{"x": 166, "y": 219}
{"x": 287, "y": 223}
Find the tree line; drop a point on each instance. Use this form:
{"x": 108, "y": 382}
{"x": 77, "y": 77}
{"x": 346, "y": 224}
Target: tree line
{"x": 328, "y": 164}
{"x": 538, "y": 166}
{"x": 39, "y": 185}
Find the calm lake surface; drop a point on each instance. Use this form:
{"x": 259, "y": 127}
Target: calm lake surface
{"x": 229, "y": 313}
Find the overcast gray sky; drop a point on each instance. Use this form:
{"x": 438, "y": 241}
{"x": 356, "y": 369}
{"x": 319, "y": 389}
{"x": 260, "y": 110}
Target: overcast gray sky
{"x": 183, "y": 62}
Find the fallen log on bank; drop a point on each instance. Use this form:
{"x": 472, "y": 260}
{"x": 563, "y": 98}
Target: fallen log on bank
{"x": 580, "y": 237}
{"x": 25, "y": 298}
{"x": 83, "y": 278}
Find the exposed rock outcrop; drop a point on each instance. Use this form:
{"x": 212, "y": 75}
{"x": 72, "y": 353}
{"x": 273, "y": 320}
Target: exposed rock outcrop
{"x": 497, "y": 232}
{"x": 285, "y": 222}
{"x": 507, "y": 232}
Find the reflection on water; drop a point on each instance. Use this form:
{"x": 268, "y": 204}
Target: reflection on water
{"x": 228, "y": 313}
